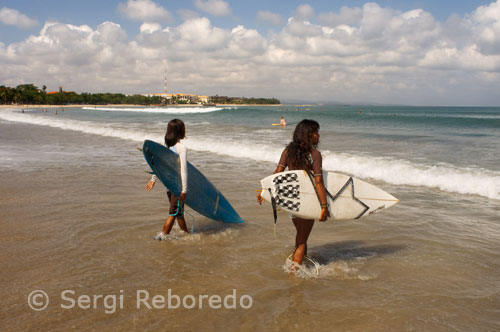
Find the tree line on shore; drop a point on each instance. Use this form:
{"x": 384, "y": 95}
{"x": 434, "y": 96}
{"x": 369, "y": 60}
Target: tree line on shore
{"x": 31, "y": 95}
{"x": 242, "y": 100}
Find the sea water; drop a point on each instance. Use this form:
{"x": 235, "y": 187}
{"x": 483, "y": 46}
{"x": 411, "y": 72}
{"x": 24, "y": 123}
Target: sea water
{"x": 452, "y": 149}
{"x": 430, "y": 263}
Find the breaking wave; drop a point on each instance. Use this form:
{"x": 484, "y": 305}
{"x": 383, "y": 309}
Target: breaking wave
{"x": 448, "y": 178}
{"x": 165, "y": 110}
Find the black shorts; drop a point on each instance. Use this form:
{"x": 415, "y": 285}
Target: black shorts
{"x": 176, "y": 207}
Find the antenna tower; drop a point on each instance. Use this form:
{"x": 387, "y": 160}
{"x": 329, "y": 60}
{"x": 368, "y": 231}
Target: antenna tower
{"x": 165, "y": 81}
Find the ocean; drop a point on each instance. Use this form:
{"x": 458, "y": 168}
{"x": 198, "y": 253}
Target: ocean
{"x": 75, "y": 216}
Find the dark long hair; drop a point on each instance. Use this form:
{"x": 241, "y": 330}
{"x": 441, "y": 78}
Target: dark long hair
{"x": 301, "y": 145}
{"x": 175, "y": 132}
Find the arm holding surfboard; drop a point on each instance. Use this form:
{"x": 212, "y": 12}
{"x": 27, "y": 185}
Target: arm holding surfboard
{"x": 318, "y": 181}
{"x": 301, "y": 155}
{"x": 320, "y": 189}
{"x": 151, "y": 183}
{"x": 182, "y": 152}
{"x": 176, "y": 131}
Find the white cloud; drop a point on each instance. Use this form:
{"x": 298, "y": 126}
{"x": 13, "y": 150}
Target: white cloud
{"x": 488, "y": 14}
{"x": 374, "y": 20}
{"x": 249, "y": 41}
{"x": 347, "y": 15}
{"x": 145, "y": 11}
{"x": 304, "y": 12}
{"x": 269, "y": 18}
{"x": 486, "y": 20}
{"x": 15, "y": 18}
{"x": 213, "y": 7}
{"x": 149, "y": 27}
{"x": 302, "y": 28}
{"x": 187, "y": 14}
{"x": 366, "y": 54}
{"x": 199, "y": 34}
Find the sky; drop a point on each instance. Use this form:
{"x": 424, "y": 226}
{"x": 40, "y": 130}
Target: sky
{"x": 442, "y": 53}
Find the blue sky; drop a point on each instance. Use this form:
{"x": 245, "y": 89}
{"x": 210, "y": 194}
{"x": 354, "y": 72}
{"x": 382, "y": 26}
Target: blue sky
{"x": 94, "y": 12}
{"x": 412, "y": 52}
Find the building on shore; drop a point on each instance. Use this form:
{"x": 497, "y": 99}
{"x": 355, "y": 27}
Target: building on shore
{"x": 180, "y": 98}
{"x": 192, "y": 99}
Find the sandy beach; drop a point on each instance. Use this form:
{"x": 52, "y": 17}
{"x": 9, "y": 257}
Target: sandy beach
{"x": 66, "y": 218}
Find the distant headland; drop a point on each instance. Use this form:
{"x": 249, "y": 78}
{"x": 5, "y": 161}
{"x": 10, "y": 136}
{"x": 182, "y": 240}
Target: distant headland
{"x": 29, "y": 94}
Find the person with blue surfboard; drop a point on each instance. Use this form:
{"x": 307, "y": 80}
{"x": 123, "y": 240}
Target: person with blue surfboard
{"x": 302, "y": 154}
{"x": 176, "y": 131}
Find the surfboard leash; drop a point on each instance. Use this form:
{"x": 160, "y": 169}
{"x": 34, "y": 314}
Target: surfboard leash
{"x": 275, "y": 213}
{"x": 193, "y": 219}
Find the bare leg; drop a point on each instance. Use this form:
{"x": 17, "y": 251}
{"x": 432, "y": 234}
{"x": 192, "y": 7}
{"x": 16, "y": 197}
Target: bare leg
{"x": 304, "y": 227}
{"x": 182, "y": 224}
{"x": 167, "y": 227}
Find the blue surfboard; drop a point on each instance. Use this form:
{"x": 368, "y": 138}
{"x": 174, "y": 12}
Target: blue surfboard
{"x": 202, "y": 195}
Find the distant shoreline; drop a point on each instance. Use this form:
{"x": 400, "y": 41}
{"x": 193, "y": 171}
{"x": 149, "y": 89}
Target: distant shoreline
{"x": 132, "y": 105}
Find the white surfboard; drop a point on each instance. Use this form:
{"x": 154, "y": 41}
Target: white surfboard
{"x": 348, "y": 197}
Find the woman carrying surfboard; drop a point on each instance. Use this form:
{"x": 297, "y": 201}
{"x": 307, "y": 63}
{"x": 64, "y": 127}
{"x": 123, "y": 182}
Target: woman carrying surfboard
{"x": 302, "y": 154}
{"x": 176, "y": 131}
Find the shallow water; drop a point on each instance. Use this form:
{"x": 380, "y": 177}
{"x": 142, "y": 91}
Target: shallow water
{"x": 74, "y": 215}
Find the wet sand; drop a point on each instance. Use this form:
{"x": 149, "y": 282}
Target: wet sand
{"x": 74, "y": 216}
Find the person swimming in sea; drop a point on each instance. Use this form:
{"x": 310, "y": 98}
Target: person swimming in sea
{"x": 282, "y": 122}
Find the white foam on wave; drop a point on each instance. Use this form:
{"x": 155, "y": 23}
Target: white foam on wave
{"x": 169, "y": 110}
{"x": 443, "y": 116}
{"x": 189, "y": 123}
{"x": 394, "y": 171}
{"x": 340, "y": 270}
{"x": 179, "y": 237}
{"x": 402, "y": 172}
{"x": 87, "y": 127}
{"x": 449, "y": 178}
{"x": 240, "y": 149}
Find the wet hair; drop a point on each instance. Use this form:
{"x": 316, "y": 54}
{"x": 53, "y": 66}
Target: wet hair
{"x": 301, "y": 145}
{"x": 175, "y": 132}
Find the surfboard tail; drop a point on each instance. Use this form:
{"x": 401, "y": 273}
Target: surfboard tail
{"x": 226, "y": 213}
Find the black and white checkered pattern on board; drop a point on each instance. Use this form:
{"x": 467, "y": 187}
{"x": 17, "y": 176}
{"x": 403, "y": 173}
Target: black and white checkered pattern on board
{"x": 289, "y": 190}
{"x": 288, "y": 204}
{"x": 285, "y": 178}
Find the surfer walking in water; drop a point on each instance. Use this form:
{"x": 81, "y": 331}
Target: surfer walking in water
{"x": 302, "y": 154}
{"x": 176, "y": 131}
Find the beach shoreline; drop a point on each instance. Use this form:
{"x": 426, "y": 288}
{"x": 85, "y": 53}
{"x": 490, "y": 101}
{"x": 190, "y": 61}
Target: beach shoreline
{"x": 21, "y": 106}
